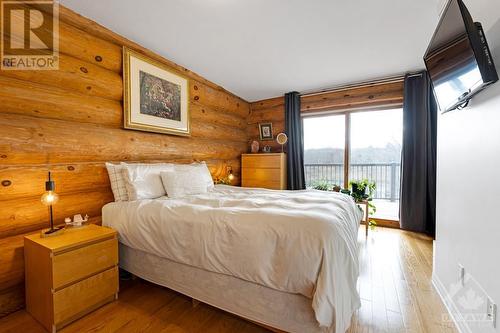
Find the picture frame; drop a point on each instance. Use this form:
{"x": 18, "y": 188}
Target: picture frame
{"x": 266, "y": 131}
{"x": 155, "y": 97}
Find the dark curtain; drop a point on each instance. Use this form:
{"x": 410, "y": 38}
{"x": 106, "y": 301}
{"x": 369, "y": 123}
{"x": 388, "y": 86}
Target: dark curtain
{"x": 295, "y": 153}
{"x": 418, "y": 165}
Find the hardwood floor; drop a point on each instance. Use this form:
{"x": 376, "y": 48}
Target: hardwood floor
{"x": 395, "y": 288}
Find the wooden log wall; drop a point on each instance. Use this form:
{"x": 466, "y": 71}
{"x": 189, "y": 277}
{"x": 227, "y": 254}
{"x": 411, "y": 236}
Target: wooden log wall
{"x": 69, "y": 121}
{"x": 267, "y": 111}
{"x": 357, "y": 98}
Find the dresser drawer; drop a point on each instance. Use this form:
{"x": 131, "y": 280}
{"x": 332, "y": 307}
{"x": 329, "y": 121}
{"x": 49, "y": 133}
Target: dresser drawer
{"x": 263, "y": 161}
{"x": 82, "y": 262}
{"x": 269, "y": 184}
{"x": 261, "y": 174}
{"x": 84, "y": 296}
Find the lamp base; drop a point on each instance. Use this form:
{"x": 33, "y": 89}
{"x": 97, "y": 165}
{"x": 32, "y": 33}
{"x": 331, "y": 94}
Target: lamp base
{"x": 52, "y": 232}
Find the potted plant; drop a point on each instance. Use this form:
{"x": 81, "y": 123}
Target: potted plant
{"x": 359, "y": 188}
{"x": 359, "y": 193}
{"x": 321, "y": 185}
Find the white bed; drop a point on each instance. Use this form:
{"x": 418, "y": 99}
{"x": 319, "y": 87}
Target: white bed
{"x": 286, "y": 259}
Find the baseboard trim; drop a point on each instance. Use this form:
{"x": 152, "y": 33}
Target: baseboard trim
{"x": 452, "y": 309}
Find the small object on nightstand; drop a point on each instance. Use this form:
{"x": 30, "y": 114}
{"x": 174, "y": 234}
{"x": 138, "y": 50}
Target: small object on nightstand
{"x": 50, "y": 198}
{"x": 77, "y": 220}
{"x": 70, "y": 275}
{"x": 266, "y": 149}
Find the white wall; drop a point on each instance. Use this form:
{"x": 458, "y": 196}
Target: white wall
{"x": 468, "y": 194}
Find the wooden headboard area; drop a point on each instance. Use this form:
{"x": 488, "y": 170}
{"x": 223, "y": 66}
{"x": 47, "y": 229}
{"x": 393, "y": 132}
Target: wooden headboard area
{"x": 69, "y": 121}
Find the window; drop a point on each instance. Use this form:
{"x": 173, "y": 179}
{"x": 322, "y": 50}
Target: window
{"x": 324, "y": 149}
{"x": 372, "y": 140}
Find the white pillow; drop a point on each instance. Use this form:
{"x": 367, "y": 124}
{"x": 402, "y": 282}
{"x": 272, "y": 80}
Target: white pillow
{"x": 200, "y": 168}
{"x": 143, "y": 181}
{"x": 115, "y": 173}
{"x": 184, "y": 181}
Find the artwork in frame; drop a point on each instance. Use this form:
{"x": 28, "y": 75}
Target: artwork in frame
{"x": 266, "y": 131}
{"x": 155, "y": 98}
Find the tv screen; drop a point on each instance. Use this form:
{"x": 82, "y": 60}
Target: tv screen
{"x": 458, "y": 58}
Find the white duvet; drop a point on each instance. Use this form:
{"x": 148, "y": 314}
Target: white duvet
{"x": 302, "y": 242}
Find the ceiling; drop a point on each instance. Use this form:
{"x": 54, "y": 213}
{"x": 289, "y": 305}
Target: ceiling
{"x": 263, "y": 48}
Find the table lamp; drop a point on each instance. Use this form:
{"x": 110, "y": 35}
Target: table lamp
{"x": 230, "y": 175}
{"x": 50, "y": 198}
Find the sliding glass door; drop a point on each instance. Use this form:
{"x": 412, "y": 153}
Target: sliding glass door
{"x": 354, "y": 146}
{"x": 324, "y": 150}
{"x": 375, "y": 154}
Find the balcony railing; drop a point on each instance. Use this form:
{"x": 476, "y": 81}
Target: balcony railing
{"x": 386, "y": 175}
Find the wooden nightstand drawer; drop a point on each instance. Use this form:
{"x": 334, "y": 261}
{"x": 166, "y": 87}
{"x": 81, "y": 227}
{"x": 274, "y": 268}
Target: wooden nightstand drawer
{"x": 84, "y": 296}
{"x": 75, "y": 265}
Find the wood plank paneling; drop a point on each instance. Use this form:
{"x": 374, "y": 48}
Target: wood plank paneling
{"x": 267, "y": 111}
{"x": 69, "y": 121}
{"x": 55, "y": 141}
{"x": 363, "y": 97}
{"x": 37, "y": 100}
{"x": 81, "y": 45}
{"x": 19, "y": 182}
{"x": 217, "y": 99}
{"x": 202, "y": 113}
{"x": 76, "y": 75}
{"x": 11, "y": 263}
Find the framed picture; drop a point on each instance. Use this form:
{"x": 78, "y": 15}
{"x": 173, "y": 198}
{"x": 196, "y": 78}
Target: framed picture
{"x": 155, "y": 99}
{"x": 266, "y": 131}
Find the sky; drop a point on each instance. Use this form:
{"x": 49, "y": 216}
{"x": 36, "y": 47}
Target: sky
{"x": 371, "y": 128}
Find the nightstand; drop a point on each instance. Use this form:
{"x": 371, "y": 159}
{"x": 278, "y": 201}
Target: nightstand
{"x": 70, "y": 275}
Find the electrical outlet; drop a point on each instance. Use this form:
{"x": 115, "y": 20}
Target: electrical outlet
{"x": 491, "y": 312}
{"x": 461, "y": 274}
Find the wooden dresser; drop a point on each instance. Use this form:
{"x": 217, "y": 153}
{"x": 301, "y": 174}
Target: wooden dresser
{"x": 264, "y": 170}
{"x": 70, "y": 275}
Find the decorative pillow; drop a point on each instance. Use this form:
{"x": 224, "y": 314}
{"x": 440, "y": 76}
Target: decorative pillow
{"x": 143, "y": 181}
{"x": 200, "y": 168}
{"x": 115, "y": 173}
{"x": 184, "y": 181}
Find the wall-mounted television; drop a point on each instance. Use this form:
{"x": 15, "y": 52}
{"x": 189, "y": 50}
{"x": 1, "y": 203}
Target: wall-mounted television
{"x": 458, "y": 58}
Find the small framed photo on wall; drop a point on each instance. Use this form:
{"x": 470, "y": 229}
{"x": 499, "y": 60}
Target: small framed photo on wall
{"x": 266, "y": 131}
